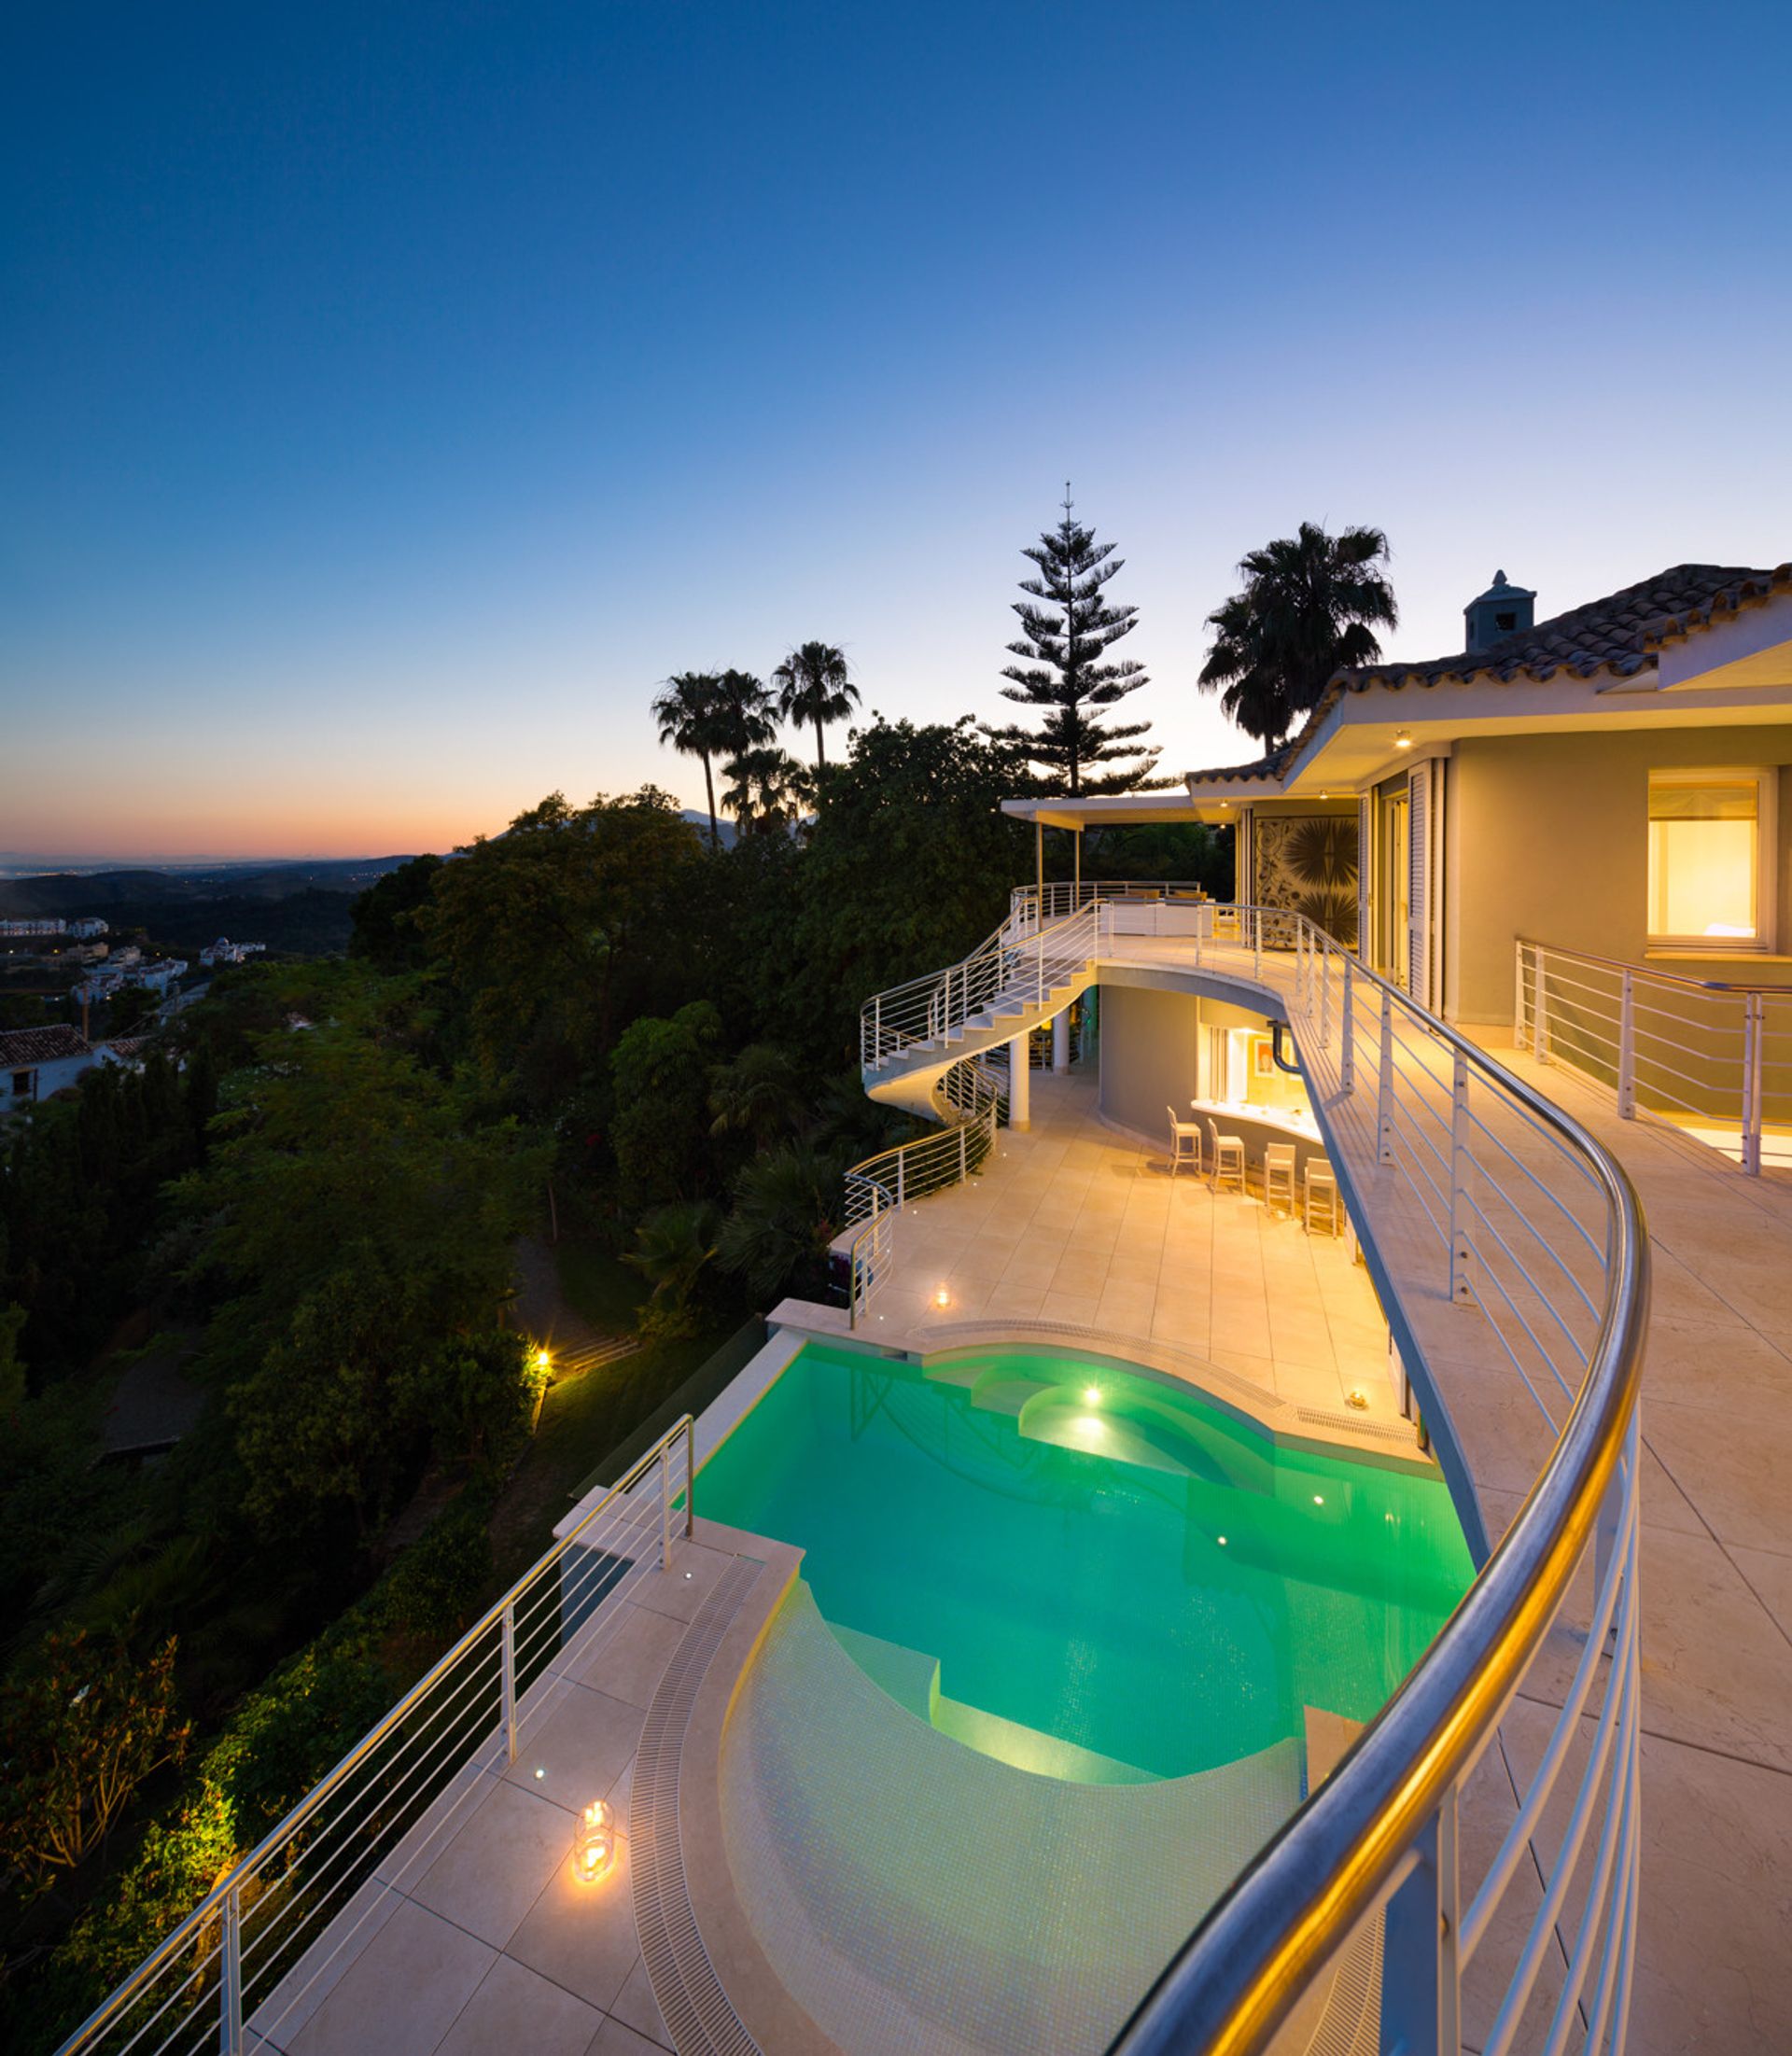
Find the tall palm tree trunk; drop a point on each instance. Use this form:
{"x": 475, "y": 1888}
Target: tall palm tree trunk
{"x": 710, "y": 791}
{"x": 820, "y": 753}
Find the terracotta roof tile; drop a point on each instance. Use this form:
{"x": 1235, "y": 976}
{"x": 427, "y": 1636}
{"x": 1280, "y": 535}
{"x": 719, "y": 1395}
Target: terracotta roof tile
{"x": 1620, "y": 633}
{"x": 21, "y": 1048}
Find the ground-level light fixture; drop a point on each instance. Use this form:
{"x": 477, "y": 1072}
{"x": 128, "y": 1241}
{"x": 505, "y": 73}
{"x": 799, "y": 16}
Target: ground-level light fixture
{"x": 943, "y": 1295}
{"x": 544, "y": 1358}
{"x": 1402, "y": 739}
{"x": 594, "y": 1847}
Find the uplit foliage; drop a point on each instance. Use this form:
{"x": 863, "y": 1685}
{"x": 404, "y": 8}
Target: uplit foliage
{"x": 81, "y": 1725}
{"x": 356, "y": 1221}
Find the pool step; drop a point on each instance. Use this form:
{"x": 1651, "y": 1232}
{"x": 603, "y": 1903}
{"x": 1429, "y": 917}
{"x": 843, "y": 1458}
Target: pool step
{"x": 1025, "y": 1748}
{"x": 910, "y": 1678}
{"x": 1000, "y": 1391}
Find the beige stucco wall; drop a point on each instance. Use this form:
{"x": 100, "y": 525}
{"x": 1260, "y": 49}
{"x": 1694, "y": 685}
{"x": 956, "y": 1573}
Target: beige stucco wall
{"x": 1149, "y": 1060}
{"x": 1547, "y": 837}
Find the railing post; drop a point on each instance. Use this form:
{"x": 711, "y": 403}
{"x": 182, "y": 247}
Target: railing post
{"x": 230, "y": 1974}
{"x": 1347, "y": 1055}
{"x": 1421, "y": 1975}
{"x": 1627, "y": 1050}
{"x": 1325, "y": 993}
{"x": 690, "y": 1475}
{"x": 666, "y": 1507}
{"x": 877, "y": 1030}
{"x": 964, "y": 1153}
{"x": 507, "y": 1677}
{"x": 1539, "y": 1013}
{"x": 1518, "y": 996}
{"x": 1257, "y": 943}
{"x": 1385, "y": 1109}
{"x": 1038, "y": 956}
{"x": 1462, "y": 1245}
{"x": 1753, "y": 1036}
{"x": 898, "y": 1177}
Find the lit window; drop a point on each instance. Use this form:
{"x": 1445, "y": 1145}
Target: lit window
{"x": 1707, "y": 834}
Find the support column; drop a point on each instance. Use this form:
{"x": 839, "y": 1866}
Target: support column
{"x": 1020, "y": 1085}
{"x": 1076, "y": 868}
{"x": 1061, "y": 1042}
{"x": 1039, "y": 865}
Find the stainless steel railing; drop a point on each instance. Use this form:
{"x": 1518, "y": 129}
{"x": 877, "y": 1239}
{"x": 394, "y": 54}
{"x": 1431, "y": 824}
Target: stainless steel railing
{"x": 242, "y": 1959}
{"x": 1476, "y": 1200}
{"x": 1713, "y": 1057}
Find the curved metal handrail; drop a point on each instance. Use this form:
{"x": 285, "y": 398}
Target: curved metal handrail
{"x": 1240, "y": 1974}
{"x": 1237, "y": 1976}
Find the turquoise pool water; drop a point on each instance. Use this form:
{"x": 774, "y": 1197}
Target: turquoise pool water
{"x": 1091, "y": 1556}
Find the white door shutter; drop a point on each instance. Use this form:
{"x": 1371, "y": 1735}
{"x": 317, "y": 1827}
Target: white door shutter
{"x": 1365, "y": 873}
{"x": 1418, "y": 883}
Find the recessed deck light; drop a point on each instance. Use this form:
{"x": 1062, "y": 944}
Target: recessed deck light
{"x": 943, "y": 1296}
{"x": 1402, "y": 740}
{"x": 1318, "y": 1498}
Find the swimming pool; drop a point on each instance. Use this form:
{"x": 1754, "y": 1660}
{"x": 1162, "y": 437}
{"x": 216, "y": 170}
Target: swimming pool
{"x": 1117, "y": 1579}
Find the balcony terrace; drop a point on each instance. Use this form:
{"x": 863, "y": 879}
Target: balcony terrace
{"x": 1496, "y": 1252}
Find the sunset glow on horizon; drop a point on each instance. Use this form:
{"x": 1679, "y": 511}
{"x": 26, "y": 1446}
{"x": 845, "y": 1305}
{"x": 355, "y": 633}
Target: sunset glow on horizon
{"x": 393, "y": 401}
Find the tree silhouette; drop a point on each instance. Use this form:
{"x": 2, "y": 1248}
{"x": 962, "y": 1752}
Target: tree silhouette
{"x": 1309, "y": 609}
{"x": 813, "y": 687}
{"x": 1066, "y": 669}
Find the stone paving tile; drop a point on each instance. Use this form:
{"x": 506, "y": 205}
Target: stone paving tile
{"x": 516, "y": 2009}
{"x": 582, "y": 1935}
{"x": 492, "y": 1871}
{"x": 402, "y": 1993}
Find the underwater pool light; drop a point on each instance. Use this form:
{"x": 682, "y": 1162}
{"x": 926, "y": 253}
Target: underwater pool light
{"x": 1091, "y": 1395}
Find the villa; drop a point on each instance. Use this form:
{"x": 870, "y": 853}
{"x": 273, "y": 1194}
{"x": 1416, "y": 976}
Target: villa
{"x": 1210, "y": 1583}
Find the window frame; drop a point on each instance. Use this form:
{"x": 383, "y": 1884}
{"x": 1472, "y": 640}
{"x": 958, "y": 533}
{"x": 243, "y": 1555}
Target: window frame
{"x": 1765, "y": 778}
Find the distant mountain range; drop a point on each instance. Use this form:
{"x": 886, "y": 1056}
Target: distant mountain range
{"x": 67, "y": 893}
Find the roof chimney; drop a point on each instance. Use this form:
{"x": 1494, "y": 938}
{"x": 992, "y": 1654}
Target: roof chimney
{"x": 1499, "y": 611}
{"x": 1503, "y": 609}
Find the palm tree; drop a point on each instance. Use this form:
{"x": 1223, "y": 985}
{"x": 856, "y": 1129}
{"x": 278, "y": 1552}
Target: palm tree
{"x": 785, "y": 1214}
{"x": 744, "y": 711}
{"x": 691, "y": 715}
{"x": 769, "y": 790}
{"x": 813, "y": 686}
{"x": 764, "y": 1093}
{"x": 1309, "y": 609}
{"x": 673, "y": 1245}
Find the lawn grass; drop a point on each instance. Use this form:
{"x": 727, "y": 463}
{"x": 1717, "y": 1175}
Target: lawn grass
{"x": 584, "y": 1419}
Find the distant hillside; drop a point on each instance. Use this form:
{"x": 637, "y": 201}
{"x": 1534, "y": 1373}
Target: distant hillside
{"x": 66, "y": 894}
{"x": 700, "y": 822}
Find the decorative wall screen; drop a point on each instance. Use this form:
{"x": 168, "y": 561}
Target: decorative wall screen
{"x": 1310, "y": 862}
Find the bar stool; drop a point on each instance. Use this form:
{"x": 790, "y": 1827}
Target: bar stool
{"x": 1227, "y": 1162}
{"x": 1183, "y": 1132}
{"x": 1278, "y": 1175}
{"x": 1320, "y": 1194}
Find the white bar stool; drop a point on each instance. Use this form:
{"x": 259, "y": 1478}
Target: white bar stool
{"x": 1321, "y": 1197}
{"x": 1227, "y": 1161}
{"x": 1183, "y": 1132}
{"x": 1278, "y": 1175}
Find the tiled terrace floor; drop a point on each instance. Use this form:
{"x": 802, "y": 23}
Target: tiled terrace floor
{"x": 1074, "y": 1220}
{"x": 476, "y": 1939}
{"x": 1715, "y": 1970}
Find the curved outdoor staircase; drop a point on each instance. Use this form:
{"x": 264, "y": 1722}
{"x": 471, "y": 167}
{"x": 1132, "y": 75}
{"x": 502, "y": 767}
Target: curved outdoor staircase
{"x": 911, "y": 1036}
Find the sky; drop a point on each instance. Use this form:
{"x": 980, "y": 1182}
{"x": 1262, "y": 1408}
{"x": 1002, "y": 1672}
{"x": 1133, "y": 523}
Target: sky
{"x": 391, "y": 397}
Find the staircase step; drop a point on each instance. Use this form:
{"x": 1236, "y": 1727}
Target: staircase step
{"x": 908, "y": 1676}
{"x": 998, "y": 1392}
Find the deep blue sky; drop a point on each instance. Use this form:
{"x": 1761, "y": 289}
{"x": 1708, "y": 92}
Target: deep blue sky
{"x": 389, "y": 396}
